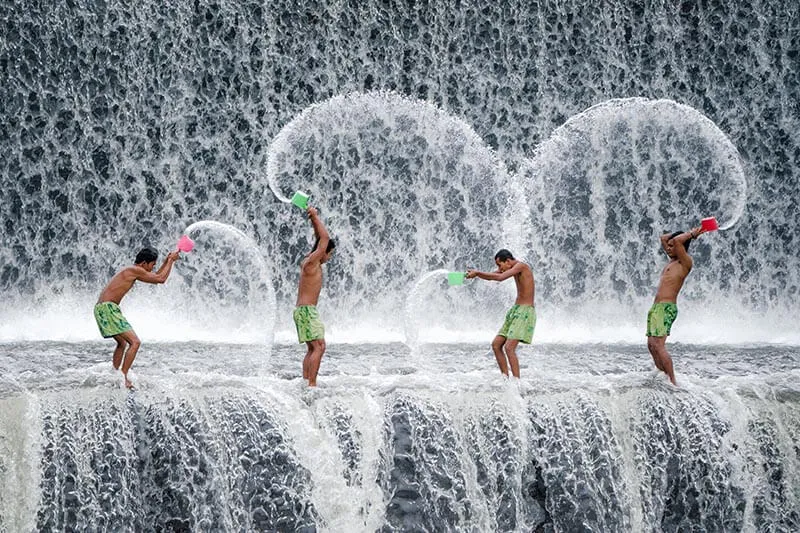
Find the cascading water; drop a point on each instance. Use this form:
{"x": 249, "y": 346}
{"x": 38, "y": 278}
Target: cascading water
{"x": 406, "y": 451}
{"x": 429, "y": 136}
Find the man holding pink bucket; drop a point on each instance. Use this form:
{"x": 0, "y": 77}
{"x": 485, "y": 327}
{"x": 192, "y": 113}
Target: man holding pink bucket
{"x": 107, "y": 313}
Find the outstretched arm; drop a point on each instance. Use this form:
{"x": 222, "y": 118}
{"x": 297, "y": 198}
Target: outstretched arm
{"x": 497, "y": 275}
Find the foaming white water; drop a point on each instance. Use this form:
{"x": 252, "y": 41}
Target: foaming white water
{"x": 362, "y": 334}
{"x": 20, "y": 450}
{"x": 62, "y": 317}
{"x": 153, "y": 317}
{"x": 155, "y": 321}
{"x": 314, "y": 418}
{"x": 725, "y": 321}
{"x": 389, "y": 427}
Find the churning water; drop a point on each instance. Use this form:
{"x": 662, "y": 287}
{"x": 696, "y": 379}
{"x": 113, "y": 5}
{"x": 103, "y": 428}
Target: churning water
{"x": 219, "y": 437}
{"x": 430, "y": 135}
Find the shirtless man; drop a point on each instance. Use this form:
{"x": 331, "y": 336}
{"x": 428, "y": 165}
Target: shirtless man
{"x": 665, "y": 309}
{"x": 521, "y": 318}
{"x": 310, "y": 329}
{"x": 108, "y": 314}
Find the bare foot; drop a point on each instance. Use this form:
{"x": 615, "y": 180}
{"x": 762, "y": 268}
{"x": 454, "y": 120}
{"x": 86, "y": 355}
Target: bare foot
{"x": 128, "y": 383}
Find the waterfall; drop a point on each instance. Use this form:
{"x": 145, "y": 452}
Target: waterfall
{"x": 433, "y": 138}
{"x": 420, "y": 456}
{"x": 429, "y": 135}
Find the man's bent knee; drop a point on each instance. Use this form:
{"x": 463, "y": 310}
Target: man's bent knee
{"x": 129, "y": 337}
{"x": 318, "y": 344}
{"x": 654, "y": 343}
{"x": 511, "y": 345}
{"x": 133, "y": 342}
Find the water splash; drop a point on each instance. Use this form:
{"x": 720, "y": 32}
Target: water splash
{"x": 105, "y": 152}
{"x": 435, "y": 313}
{"x": 410, "y": 309}
{"x": 401, "y": 185}
{"x": 223, "y": 288}
{"x": 609, "y": 181}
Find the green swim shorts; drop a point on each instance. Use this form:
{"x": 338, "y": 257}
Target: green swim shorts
{"x": 110, "y": 320}
{"x": 660, "y": 319}
{"x": 519, "y": 324}
{"x": 309, "y": 326}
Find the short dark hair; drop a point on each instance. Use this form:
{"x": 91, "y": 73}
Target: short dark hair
{"x": 146, "y": 255}
{"x": 331, "y": 245}
{"x": 503, "y": 255}
{"x": 686, "y": 243}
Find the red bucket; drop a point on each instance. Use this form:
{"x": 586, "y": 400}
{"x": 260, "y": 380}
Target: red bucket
{"x": 709, "y": 224}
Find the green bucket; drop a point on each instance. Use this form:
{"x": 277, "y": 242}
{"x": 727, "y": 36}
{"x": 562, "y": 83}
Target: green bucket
{"x": 455, "y": 278}
{"x": 300, "y": 199}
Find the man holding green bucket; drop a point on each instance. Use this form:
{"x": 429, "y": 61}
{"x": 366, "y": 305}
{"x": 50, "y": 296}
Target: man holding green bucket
{"x": 310, "y": 329}
{"x": 521, "y": 318}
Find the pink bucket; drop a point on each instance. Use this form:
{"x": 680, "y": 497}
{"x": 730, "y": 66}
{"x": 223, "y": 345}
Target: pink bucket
{"x": 185, "y": 244}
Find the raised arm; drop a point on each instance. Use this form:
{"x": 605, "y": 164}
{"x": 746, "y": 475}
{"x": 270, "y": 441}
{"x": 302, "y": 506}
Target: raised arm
{"x": 321, "y": 233}
{"x": 679, "y": 244}
{"x": 687, "y": 235}
{"x": 161, "y": 275}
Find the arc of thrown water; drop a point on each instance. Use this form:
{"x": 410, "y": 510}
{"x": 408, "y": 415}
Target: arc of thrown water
{"x": 411, "y": 331}
{"x": 252, "y": 246}
{"x": 397, "y": 164}
{"x": 732, "y": 159}
{"x": 227, "y": 228}
{"x": 345, "y": 104}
